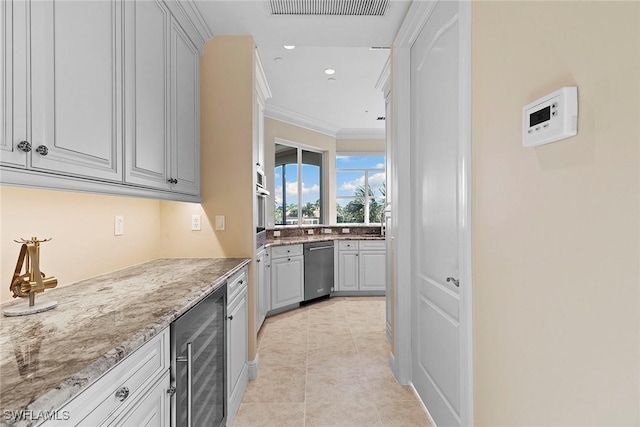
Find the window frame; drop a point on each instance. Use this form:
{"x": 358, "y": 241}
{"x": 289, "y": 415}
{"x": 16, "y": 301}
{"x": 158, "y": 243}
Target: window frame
{"x": 367, "y": 172}
{"x": 299, "y": 147}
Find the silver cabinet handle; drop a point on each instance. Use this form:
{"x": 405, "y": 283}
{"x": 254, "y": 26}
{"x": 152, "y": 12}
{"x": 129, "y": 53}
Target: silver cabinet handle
{"x": 122, "y": 394}
{"x": 320, "y": 247}
{"x": 189, "y": 361}
{"x": 42, "y": 150}
{"x": 24, "y": 146}
{"x": 189, "y": 383}
{"x": 454, "y": 281}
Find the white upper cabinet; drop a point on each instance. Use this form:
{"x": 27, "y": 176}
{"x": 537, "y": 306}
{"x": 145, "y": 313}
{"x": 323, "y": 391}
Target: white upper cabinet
{"x": 147, "y": 93}
{"x": 75, "y": 68}
{"x": 185, "y": 112}
{"x": 101, "y": 96}
{"x": 9, "y": 151}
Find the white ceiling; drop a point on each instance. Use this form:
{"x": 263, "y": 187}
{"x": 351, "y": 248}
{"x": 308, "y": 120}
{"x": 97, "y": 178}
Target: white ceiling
{"x": 301, "y": 92}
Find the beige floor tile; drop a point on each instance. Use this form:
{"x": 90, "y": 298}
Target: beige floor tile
{"x": 277, "y": 384}
{"x": 270, "y": 415}
{"x": 337, "y": 414}
{"x": 404, "y": 414}
{"x": 326, "y": 364}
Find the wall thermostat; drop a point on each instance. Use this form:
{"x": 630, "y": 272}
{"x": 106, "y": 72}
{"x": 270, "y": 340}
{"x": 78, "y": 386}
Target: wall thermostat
{"x": 550, "y": 118}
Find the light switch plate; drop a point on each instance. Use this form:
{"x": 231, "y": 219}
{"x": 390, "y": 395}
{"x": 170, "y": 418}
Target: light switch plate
{"x": 276, "y": 233}
{"x": 326, "y": 230}
{"x": 220, "y": 222}
{"x": 310, "y": 232}
{"x": 345, "y": 231}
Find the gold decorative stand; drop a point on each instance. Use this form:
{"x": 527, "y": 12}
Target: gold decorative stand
{"x": 32, "y": 281}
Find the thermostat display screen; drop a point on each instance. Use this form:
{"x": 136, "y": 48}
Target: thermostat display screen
{"x": 540, "y": 116}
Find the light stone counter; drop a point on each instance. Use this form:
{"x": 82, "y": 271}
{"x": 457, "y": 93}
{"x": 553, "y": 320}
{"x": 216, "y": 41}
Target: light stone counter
{"x": 296, "y": 240}
{"x": 49, "y": 357}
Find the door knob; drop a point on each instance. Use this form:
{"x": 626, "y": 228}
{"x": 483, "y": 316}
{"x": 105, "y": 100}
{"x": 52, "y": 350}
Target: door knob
{"x": 454, "y": 281}
{"x": 24, "y": 146}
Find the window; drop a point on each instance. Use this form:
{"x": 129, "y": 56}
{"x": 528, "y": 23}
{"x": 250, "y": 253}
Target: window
{"x": 360, "y": 188}
{"x": 298, "y": 186}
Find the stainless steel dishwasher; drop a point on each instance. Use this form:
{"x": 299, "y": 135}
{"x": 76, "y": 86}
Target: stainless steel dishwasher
{"x": 318, "y": 269}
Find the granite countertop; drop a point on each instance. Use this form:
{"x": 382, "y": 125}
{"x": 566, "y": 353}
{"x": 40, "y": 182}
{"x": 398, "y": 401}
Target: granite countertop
{"x": 49, "y": 357}
{"x": 294, "y": 240}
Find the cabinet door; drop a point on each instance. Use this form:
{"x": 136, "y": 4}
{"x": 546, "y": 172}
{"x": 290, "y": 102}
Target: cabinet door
{"x": 287, "y": 281}
{"x": 76, "y": 62}
{"x": 185, "y": 118}
{"x": 9, "y": 152}
{"x": 348, "y": 271}
{"x": 260, "y": 300}
{"x": 151, "y": 410}
{"x": 372, "y": 271}
{"x": 147, "y": 93}
{"x": 237, "y": 341}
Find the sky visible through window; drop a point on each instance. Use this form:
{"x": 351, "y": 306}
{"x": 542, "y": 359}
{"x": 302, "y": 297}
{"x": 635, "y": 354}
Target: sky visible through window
{"x": 360, "y": 188}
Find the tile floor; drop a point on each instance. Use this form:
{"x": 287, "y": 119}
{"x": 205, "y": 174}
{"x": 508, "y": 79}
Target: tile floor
{"x": 326, "y": 364}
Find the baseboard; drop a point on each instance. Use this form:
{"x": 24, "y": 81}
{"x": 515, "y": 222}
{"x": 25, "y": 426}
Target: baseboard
{"x": 393, "y": 365}
{"x": 253, "y": 368}
{"x": 358, "y": 294}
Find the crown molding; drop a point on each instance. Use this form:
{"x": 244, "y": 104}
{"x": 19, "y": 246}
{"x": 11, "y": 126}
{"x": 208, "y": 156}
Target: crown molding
{"x": 352, "y": 133}
{"x": 300, "y": 120}
{"x": 384, "y": 80}
{"x": 262, "y": 85}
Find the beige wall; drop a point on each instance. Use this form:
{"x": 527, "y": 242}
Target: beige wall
{"x": 227, "y": 100}
{"x": 360, "y": 145}
{"x": 556, "y": 228}
{"x": 81, "y": 226}
{"x": 276, "y": 129}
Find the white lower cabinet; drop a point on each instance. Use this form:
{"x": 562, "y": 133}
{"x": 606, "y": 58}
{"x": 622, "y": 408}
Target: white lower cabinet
{"x": 151, "y": 410}
{"x": 131, "y": 392}
{"x": 361, "y": 266}
{"x": 237, "y": 343}
{"x": 287, "y": 276}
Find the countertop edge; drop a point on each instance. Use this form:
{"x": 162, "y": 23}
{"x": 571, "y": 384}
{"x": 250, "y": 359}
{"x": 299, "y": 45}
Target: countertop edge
{"x": 307, "y": 239}
{"x": 61, "y": 394}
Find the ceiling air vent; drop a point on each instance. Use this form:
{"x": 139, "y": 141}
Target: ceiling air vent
{"x": 329, "y": 7}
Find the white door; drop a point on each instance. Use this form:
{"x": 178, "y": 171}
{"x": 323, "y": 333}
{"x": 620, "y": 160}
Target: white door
{"x": 435, "y": 142}
{"x": 76, "y": 58}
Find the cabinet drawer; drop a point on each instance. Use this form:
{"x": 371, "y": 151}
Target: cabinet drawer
{"x": 285, "y": 251}
{"x": 137, "y": 372}
{"x": 236, "y": 283}
{"x": 372, "y": 245}
{"x": 348, "y": 245}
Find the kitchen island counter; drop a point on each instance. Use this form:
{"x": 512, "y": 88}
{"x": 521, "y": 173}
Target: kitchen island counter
{"x": 49, "y": 357}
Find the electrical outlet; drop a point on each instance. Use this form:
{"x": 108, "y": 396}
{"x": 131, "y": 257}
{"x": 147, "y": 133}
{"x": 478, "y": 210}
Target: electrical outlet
{"x": 326, "y": 230}
{"x": 118, "y": 225}
{"x": 196, "y": 222}
{"x": 276, "y": 233}
{"x": 310, "y": 232}
{"x": 345, "y": 231}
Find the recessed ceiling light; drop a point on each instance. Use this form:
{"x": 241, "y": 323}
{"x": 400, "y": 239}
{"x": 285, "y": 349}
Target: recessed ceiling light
{"x": 278, "y": 60}
{"x": 289, "y": 47}
{"x": 331, "y": 80}
{"x": 329, "y": 71}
